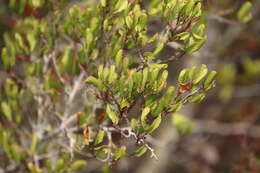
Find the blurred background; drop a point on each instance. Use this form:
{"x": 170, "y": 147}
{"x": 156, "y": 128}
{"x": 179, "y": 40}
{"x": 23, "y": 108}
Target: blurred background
{"x": 226, "y": 133}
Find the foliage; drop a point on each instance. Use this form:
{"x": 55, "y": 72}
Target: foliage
{"x": 76, "y": 73}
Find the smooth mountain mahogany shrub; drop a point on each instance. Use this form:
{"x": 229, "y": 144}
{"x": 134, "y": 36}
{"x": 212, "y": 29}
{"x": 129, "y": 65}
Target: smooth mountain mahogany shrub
{"x": 80, "y": 79}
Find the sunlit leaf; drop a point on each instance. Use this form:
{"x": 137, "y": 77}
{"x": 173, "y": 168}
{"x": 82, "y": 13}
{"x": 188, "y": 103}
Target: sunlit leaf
{"x": 121, "y": 5}
{"x": 77, "y": 165}
{"x": 103, "y": 3}
{"x": 243, "y": 14}
{"x": 197, "y": 98}
{"x": 156, "y": 123}
{"x": 133, "y": 124}
{"x": 96, "y": 82}
{"x": 140, "y": 151}
{"x": 145, "y": 112}
{"x": 99, "y": 137}
{"x": 210, "y": 79}
{"x": 200, "y": 74}
{"x": 119, "y": 153}
{"x": 6, "y": 109}
{"x": 112, "y": 115}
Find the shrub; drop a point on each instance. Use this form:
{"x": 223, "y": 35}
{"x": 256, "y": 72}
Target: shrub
{"x": 80, "y": 80}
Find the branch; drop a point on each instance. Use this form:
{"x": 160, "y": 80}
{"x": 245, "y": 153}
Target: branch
{"x": 225, "y": 129}
{"x": 67, "y": 118}
{"x": 223, "y": 20}
{"x": 131, "y": 133}
{"x": 77, "y": 86}
{"x": 56, "y": 69}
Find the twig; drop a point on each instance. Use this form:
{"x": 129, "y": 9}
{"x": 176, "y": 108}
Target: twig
{"x": 109, "y": 137}
{"x": 223, "y": 20}
{"x": 225, "y": 129}
{"x": 77, "y": 86}
{"x": 67, "y": 118}
{"x": 177, "y": 56}
{"x": 56, "y": 69}
{"x": 131, "y": 133}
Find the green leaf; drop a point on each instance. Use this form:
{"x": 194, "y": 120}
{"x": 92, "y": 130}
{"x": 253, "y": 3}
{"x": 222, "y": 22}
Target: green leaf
{"x": 197, "y": 98}
{"x": 197, "y": 10}
{"x": 183, "y": 76}
{"x": 165, "y": 101}
{"x": 112, "y": 75}
{"x": 153, "y": 78}
{"x": 121, "y": 85}
{"x": 129, "y": 21}
{"x": 119, "y": 153}
{"x": 48, "y": 164}
{"x": 158, "y": 49}
{"x": 157, "y": 66}
{"x": 36, "y": 3}
{"x": 150, "y": 100}
{"x": 176, "y": 10}
{"x": 198, "y": 32}
{"x": 6, "y": 109}
{"x": 200, "y": 74}
{"x": 94, "y": 54}
{"x": 145, "y": 112}
{"x": 138, "y": 28}
{"x": 188, "y": 7}
{"x": 103, "y": 3}
{"x": 133, "y": 124}
{"x": 89, "y": 39}
{"x": 192, "y": 73}
{"x": 209, "y": 79}
{"x": 4, "y": 57}
{"x": 140, "y": 151}
{"x": 5, "y": 142}
{"x": 198, "y": 36}
{"x": 162, "y": 80}
{"x": 156, "y": 123}
{"x": 105, "y": 74}
{"x": 183, "y": 36}
{"x": 153, "y": 38}
{"x": 112, "y": 115}
{"x": 118, "y": 59}
{"x": 9, "y": 52}
{"x": 74, "y": 11}
{"x": 16, "y": 152}
{"x": 19, "y": 40}
{"x": 137, "y": 79}
{"x": 196, "y": 45}
{"x": 100, "y": 71}
{"x": 33, "y": 168}
{"x": 32, "y": 41}
{"x": 99, "y": 137}
{"x": 124, "y": 103}
{"x": 77, "y": 165}
{"x": 243, "y": 14}
{"x": 96, "y": 82}
{"x": 145, "y": 76}
{"x": 183, "y": 124}
{"x": 103, "y": 148}
{"x": 34, "y": 144}
{"x": 121, "y": 5}
{"x": 60, "y": 164}
{"x": 130, "y": 87}
{"x": 142, "y": 20}
{"x": 125, "y": 64}
{"x": 67, "y": 60}
{"x": 168, "y": 96}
